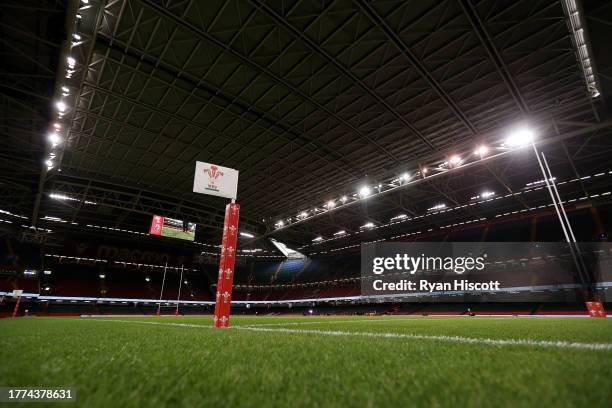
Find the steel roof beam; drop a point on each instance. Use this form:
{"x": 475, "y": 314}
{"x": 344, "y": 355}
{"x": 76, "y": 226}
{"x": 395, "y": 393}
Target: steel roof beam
{"x": 346, "y": 72}
{"x": 496, "y": 59}
{"x": 209, "y": 38}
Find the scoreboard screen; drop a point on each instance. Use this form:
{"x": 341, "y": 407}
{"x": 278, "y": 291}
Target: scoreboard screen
{"x": 172, "y": 227}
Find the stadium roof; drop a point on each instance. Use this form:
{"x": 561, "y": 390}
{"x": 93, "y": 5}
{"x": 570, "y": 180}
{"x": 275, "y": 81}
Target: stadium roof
{"x": 310, "y": 101}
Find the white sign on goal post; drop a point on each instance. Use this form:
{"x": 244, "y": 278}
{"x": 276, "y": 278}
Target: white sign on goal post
{"x": 215, "y": 180}
{"x": 222, "y": 182}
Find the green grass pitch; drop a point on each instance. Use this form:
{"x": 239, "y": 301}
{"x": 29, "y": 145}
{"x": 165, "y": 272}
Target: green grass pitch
{"x": 313, "y": 361}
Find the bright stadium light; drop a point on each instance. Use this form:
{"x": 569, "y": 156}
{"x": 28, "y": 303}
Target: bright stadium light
{"x": 437, "y": 207}
{"x": 49, "y": 163}
{"x": 330, "y": 204}
{"x": 71, "y": 62}
{"x": 246, "y": 235}
{"x": 102, "y": 276}
{"x": 399, "y": 217}
{"x": 76, "y": 37}
{"x": 365, "y": 191}
{"x": 368, "y": 225}
{"x": 61, "y": 106}
{"x": 303, "y": 214}
{"x": 317, "y": 239}
{"x": 65, "y": 89}
{"x": 481, "y": 150}
{"x": 405, "y": 177}
{"x": 343, "y": 199}
{"x": 55, "y": 139}
{"x": 519, "y": 138}
{"x": 454, "y": 160}
{"x": 279, "y": 224}
{"x": 148, "y": 279}
{"x": 341, "y": 232}
{"x": 47, "y": 272}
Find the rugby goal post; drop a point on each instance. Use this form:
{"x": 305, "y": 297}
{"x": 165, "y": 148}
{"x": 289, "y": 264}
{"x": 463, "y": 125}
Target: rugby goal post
{"x": 222, "y": 182}
{"x": 17, "y": 294}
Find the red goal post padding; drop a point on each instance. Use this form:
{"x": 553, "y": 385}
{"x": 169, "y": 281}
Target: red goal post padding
{"x": 596, "y": 309}
{"x": 226, "y": 266}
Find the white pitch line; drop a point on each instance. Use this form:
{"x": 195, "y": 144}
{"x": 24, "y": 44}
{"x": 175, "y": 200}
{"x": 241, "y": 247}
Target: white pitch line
{"x": 370, "y": 320}
{"x": 456, "y": 339}
{"x": 328, "y": 322}
{"x": 452, "y": 339}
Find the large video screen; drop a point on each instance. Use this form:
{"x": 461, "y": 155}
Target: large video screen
{"x": 173, "y": 228}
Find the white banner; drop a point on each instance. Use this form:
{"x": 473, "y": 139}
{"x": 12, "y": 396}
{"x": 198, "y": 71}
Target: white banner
{"x": 215, "y": 180}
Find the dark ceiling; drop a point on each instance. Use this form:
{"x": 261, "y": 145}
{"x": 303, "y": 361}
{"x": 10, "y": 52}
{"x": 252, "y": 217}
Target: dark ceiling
{"x": 308, "y": 100}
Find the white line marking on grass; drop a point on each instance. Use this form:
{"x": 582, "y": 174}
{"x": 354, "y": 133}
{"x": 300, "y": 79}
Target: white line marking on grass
{"x": 456, "y": 339}
{"x": 198, "y": 326}
{"x": 327, "y": 322}
{"x": 452, "y": 339}
{"x": 366, "y": 320}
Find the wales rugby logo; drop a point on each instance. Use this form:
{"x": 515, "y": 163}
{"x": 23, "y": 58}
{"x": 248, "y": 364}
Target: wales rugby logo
{"x": 213, "y": 173}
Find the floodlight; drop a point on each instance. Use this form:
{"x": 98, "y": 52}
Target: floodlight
{"x": 343, "y": 199}
{"x": 368, "y": 225}
{"x": 318, "y": 239}
{"x": 331, "y": 204}
{"x": 55, "y": 139}
{"x": 437, "y": 207}
{"x": 341, "y": 232}
{"x": 102, "y": 276}
{"x": 246, "y": 235}
{"x": 364, "y": 191}
{"x": 481, "y": 150}
{"x": 303, "y": 214}
{"x": 71, "y": 61}
{"x": 148, "y": 279}
{"x": 519, "y": 138}
{"x": 61, "y": 106}
{"x": 454, "y": 160}
{"x": 405, "y": 177}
